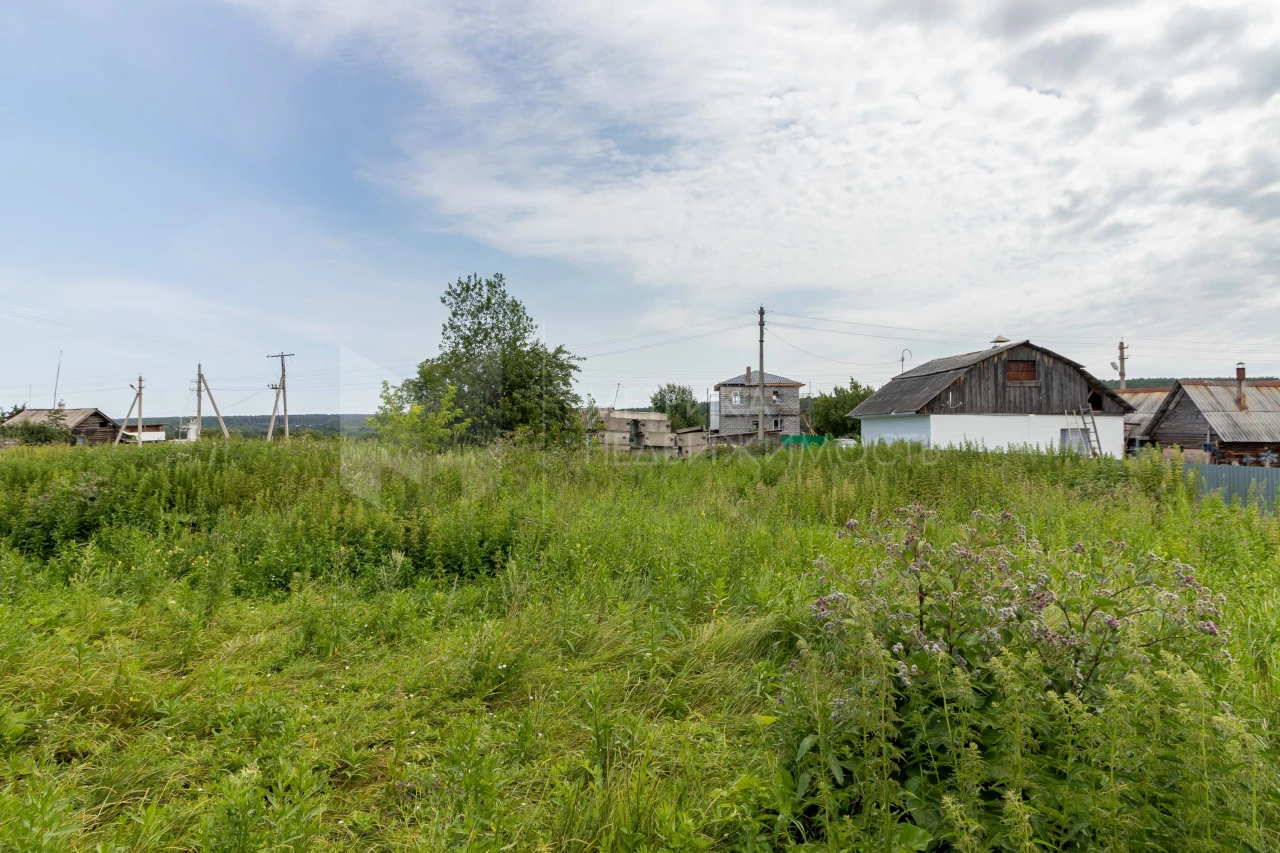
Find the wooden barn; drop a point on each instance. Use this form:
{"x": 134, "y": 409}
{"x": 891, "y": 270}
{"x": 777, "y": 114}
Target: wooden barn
{"x": 88, "y": 426}
{"x": 1012, "y": 395}
{"x": 1233, "y": 421}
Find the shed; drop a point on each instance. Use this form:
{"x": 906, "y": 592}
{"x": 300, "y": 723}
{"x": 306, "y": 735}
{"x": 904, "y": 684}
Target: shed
{"x": 1016, "y": 394}
{"x": 88, "y": 426}
{"x": 1146, "y": 402}
{"x": 1234, "y": 421}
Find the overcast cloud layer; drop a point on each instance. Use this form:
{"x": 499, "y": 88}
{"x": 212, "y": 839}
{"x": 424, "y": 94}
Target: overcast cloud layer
{"x": 982, "y": 165}
{"x": 210, "y": 181}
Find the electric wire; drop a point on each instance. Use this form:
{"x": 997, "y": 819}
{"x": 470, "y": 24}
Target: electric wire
{"x": 37, "y": 317}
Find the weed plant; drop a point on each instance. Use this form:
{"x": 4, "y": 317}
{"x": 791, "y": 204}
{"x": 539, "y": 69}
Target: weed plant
{"x": 234, "y": 647}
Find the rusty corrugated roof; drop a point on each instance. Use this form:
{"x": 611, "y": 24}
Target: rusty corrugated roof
{"x": 1146, "y": 402}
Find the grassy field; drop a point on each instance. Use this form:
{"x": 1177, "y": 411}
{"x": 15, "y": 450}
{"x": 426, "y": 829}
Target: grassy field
{"x": 319, "y": 646}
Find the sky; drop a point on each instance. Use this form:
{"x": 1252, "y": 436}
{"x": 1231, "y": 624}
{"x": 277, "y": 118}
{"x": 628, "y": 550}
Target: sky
{"x": 213, "y": 181}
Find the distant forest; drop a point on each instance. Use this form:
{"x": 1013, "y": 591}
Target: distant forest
{"x": 255, "y": 426}
{"x": 1163, "y": 382}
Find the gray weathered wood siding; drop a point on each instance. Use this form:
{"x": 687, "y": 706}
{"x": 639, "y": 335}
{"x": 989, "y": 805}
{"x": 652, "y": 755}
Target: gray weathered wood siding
{"x": 1184, "y": 425}
{"x": 983, "y": 390}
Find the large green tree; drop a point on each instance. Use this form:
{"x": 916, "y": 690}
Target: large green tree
{"x": 679, "y": 404}
{"x": 829, "y": 412}
{"x": 501, "y": 378}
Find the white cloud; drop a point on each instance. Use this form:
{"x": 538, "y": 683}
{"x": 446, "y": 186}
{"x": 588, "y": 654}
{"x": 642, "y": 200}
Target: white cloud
{"x": 1003, "y": 165}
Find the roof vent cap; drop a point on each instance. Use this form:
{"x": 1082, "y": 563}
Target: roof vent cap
{"x": 999, "y": 341}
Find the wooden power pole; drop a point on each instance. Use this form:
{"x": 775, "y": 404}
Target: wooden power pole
{"x": 762, "y": 376}
{"x": 282, "y": 396}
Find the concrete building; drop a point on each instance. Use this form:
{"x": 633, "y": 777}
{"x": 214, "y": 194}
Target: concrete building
{"x": 1012, "y": 395}
{"x": 649, "y": 433}
{"x": 736, "y": 415}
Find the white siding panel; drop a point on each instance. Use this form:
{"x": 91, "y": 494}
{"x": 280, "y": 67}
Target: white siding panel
{"x": 1003, "y": 432}
{"x": 891, "y": 428}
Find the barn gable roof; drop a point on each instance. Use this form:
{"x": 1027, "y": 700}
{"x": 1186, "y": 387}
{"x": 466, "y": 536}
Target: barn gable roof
{"x": 911, "y": 391}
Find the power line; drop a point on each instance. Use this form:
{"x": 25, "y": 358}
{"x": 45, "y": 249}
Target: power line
{"x": 660, "y": 332}
{"x": 673, "y": 341}
{"x": 825, "y": 358}
{"x": 34, "y": 316}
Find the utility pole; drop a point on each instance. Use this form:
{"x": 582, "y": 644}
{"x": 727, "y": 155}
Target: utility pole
{"x": 193, "y": 430}
{"x": 762, "y": 376}
{"x": 57, "y": 377}
{"x": 201, "y": 380}
{"x": 139, "y": 409}
{"x": 282, "y": 395}
{"x": 137, "y": 401}
{"x": 1123, "y": 348}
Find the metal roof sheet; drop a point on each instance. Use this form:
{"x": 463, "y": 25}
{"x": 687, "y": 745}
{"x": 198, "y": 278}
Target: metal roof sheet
{"x": 769, "y": 379}
{"x": 1258, "y": 422}
{"x": 1219, "y": 395}
{"x": 1249, "y": 427}
{"x": 905, "y": 394}
{"x": 1146, "y": 402}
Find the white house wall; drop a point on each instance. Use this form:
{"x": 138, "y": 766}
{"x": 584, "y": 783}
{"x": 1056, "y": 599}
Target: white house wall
{"x": 994, "y": 432}
{"x": 891, "y": 428}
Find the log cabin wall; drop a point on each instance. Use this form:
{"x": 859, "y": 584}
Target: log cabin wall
{"x": 987, "y": 389}
{"x": 1184, "y": 424}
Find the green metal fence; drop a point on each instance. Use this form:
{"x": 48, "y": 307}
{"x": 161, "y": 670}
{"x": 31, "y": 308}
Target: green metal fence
{"x": 1239, "y": 481}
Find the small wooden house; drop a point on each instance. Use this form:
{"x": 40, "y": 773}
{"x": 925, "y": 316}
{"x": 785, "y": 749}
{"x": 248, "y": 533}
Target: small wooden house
{"x": 1013, "y": 395}
{"x": 88, "y": 426}
{"x": 1230, "y": 421}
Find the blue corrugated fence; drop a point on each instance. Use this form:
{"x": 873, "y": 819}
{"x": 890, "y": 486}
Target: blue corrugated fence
{"x": 1236, "y": 481}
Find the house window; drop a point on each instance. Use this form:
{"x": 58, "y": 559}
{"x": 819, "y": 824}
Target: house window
{"x": 737, "y": 398}
{"x": 777, "y": 423}
{"x": 1076, "y": 440}
{"x": 1020, "y": 370}
{"x": 1095, "y": 401}
{"x": 776, "y": 399}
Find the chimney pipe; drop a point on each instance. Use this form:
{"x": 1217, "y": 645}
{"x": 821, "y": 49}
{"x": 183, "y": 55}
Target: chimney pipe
{"x": 1241, "y": 399}
{"x": 748, "y": 374}
{"x": 62, "y": 405}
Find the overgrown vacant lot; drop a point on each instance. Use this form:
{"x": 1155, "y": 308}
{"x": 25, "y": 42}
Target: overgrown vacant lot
{"x": 226, "y": 648}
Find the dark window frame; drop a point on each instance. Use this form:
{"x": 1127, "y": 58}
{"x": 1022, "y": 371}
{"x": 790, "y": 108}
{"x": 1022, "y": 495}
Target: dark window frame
{"x": 1020, "y": 376}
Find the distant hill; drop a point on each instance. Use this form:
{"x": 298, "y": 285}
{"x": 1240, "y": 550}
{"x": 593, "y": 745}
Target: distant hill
{"x": 255, "y": 426}
{"x": 1163, "y": 383}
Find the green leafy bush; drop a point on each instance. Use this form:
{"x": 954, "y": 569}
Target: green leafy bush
{"x": 991, "y": 694}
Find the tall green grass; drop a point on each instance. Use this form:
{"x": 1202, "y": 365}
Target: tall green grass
{"x": 306, "y": 646}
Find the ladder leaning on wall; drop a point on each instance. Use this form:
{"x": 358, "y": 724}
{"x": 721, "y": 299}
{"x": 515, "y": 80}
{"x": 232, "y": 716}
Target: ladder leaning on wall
{"x": 1085, "y": 428}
